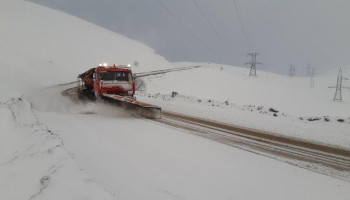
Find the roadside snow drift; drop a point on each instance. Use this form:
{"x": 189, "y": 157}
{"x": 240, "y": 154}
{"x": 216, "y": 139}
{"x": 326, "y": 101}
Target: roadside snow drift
{"x": 34, "y": 164}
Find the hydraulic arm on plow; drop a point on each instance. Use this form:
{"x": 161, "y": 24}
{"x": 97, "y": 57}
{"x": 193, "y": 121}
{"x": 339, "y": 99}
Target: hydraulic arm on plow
{"x": 115, "y": 84}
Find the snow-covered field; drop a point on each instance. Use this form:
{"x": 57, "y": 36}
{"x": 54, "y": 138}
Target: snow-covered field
{"x": 51, "y": 148}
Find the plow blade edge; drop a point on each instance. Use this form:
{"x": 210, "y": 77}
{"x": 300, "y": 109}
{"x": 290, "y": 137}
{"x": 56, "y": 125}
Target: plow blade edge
{"x": 143, "y": 109}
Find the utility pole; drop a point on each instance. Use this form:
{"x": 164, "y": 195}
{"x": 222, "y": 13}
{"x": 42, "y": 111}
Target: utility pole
{"x": 291, "y": 70}
{"x": 253, "y": 64}
{"x": 339, "y": 86}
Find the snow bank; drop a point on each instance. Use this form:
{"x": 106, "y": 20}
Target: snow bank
{"x": 34, "y": 163}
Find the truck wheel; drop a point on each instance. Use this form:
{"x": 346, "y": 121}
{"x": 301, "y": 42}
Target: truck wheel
{"x": 80, "y": 95}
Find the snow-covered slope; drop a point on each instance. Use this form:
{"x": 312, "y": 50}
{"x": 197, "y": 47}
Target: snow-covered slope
{"x": 41, "y": 47}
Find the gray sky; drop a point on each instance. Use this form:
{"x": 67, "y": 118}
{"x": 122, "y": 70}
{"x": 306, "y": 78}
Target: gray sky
{"x": 284, "y": 32}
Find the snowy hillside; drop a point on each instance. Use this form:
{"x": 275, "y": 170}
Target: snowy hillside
{"x": 45, "y": 47}
{"x": 52, "y": 148}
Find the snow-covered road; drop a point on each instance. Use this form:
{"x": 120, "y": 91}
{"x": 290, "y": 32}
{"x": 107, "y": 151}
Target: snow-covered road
{"x": 138, "y": 159}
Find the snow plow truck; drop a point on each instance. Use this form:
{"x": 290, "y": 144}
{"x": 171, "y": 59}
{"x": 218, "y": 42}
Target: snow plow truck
{"x": 115, "y": 84}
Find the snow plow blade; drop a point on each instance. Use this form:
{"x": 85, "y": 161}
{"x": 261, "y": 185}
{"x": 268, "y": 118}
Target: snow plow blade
{"x": 143, "y": 109}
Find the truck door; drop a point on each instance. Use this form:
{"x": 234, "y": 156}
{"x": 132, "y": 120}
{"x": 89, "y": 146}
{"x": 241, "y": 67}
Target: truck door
{"x": 97, "y": 85}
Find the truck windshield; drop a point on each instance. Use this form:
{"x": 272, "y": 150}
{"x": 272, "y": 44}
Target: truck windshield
{"x": 115, "y": 76}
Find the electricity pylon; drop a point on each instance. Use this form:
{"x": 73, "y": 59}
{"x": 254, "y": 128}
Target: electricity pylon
{"x": 291, "y": 70}
{"x": 339, "y": 86}
{"x": 253, "y": 64}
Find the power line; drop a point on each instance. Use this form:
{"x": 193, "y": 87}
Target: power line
{"x": 212, "y": 27}
{"x": 186, "y": 28}
{"x": 240, "y": 21}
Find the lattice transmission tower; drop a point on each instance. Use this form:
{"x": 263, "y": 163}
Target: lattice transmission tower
{"x": 291, "y": 71}
{"x": 253, "y": 64}
{"x": 339, "y": 86}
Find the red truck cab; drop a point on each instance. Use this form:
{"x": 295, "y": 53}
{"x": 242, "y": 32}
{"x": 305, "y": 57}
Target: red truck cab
{"x": 114, "y": 80}
{"x": 109, "y": 80}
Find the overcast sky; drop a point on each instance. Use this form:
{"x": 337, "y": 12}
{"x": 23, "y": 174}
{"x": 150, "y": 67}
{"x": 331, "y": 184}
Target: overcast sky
{"x": 284, "y": 32}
